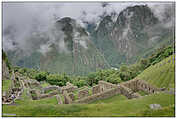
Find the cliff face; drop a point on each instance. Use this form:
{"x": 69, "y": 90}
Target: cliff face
{"x": 130, "y": 29}
{"x": 80, "y": 55}
{"x": 66, "y": 46}
{"x": 136, "y": 31}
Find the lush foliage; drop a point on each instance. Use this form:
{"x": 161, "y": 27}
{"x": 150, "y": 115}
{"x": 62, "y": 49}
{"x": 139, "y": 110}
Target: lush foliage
{"x": 4, "y": 57}
{"x": 115, "y": 76}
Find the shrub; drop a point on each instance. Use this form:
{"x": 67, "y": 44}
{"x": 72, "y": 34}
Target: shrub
{"x": 56, "y": 79}
{"x": 41, "y": 76}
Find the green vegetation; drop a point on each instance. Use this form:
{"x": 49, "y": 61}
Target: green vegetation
{"x": 110, "y": 99}
{"x": 44, "y": 84}
{"x": 5, "y": 58}
{"x": 160, "y": 75}
{"x": 157, "y": 70}
{"x": 125, "y": 72}
{"x": 114, "y": 107}
{"x": 6, "y": 84}
{"x": 166, "y": 111}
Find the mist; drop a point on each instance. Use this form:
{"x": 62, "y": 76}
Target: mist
{"x": 30, "y": 26}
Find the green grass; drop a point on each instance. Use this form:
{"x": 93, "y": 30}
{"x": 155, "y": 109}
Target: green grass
{"x": 25, "y": 99}
{"x": 166, "y": 111}
{"x": 45, "y": 84}
{"x": 6, "y": 84}
{"x": 142, "y": 93}
{"x": 117, "y": 106}
{"x": 111, "y": 99}
{"x": 160, "y": 76}
{"x": 127, "y": 107}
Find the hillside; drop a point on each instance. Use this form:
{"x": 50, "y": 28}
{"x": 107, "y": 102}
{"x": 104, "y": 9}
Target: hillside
{"x": 116, "y": 63}
{"x": 117, "y": 105}
{"x": 68, "y": 47}
{"x": 64, "y": 48}
{"x": 135, "y": 33}
{"x": 161, "y": 74}
{"x": 114, "y": 107}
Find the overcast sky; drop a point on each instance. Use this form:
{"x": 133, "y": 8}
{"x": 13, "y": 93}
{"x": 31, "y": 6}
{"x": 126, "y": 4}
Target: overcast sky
{"x": 23, "y": 16}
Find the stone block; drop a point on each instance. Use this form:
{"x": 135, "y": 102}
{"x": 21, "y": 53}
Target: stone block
{"x": 96, "y": 89}
{"x": 83, "y": 93}
{"x": 72, "y": 97}
{"x": 59, "y": 100}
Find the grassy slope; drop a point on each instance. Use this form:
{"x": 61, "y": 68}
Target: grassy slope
{"x": 161, "y": 74}
{"x": 6, "y": 84}
{"x": 114, "y": 106}
{"x": 134, "y": 107}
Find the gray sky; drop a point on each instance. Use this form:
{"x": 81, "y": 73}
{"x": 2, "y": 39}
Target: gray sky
{"x": 25, "y": 16}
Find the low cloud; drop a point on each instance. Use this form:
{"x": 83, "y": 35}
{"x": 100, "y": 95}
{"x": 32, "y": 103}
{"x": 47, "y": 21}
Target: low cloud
{"x": 29, "y": 26}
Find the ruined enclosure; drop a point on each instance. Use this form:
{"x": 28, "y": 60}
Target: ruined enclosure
{"x": 72, "y": 94}
{"x": 101, "y": 91}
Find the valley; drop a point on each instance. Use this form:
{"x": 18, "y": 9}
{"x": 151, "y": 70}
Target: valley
{"x": 95, "y": 62}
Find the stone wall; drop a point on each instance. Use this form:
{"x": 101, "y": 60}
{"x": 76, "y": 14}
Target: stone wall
{"x": 98, "y": 96}
{"x": 36, "y": 95}
{"x": 41, "y": 96}
{"x": 105, "y": 85}
{"x": 132, "y": 84}
{"x": 50, "y": 88}
{"x": 67, "y": 99}
{"x": 83, "y": 93}
{"x": 71, "y": 96}
{"x": 127, "y": 92}
{"x": 96, "y": 89}
{"x": 59, "y": 100}
{"x": 144, "y": 86}
{"x": 68, "y": 88}
{"x": 137, "y": 84}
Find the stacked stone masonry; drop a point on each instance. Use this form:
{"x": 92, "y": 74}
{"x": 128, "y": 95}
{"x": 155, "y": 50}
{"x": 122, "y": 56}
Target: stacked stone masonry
{"x": 83, "y": 93}
{"x": 101, "y": 91}
{"x": 69, "y": 88}
{"x": 106, "y": 85}
{"x": 96, "y": 89}
{"x": 67, "y": 99}
{"x": 71, "y": 96}
{"x": 50, "y": 88}
{"x": 59, "y": 100}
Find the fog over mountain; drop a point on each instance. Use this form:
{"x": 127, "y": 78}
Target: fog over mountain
{"x": 82, "y": 37}
{"x": 28, "y": 19}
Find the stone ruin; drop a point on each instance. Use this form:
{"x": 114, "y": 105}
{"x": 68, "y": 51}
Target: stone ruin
{"x": 83, "y": 93}
{"x": 67, "y": 99}
{"x": 36, "y": 94}
{"x": 59, "y": 100}
{"x": 101, "y": 91}
{"x": 96, "y": 89}
{"x": 106, "y": 85}
{"x": 68, "y": 88}
{"x": 129, "y": 89}
{"x": 14, "y": 91}
{"x": 51, "y": 88}
{"x": 71, "y": 96}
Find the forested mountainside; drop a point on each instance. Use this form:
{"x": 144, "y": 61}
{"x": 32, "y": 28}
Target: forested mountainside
{"x": 68, "y": 47}
{"x": 70, "y": 51}
{"x": 136, "y": 32}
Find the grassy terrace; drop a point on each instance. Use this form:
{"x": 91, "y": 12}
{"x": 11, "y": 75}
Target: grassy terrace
{"x": 45, "y": 84}
{"x": 115, "y": 106}
{"x": 160, "y": 76}
{"x": 6, "y": 84}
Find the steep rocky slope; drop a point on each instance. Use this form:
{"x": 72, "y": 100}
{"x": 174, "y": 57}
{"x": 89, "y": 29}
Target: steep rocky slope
{"x": 136, "y": 32}
{"x": 66, "y": 48}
